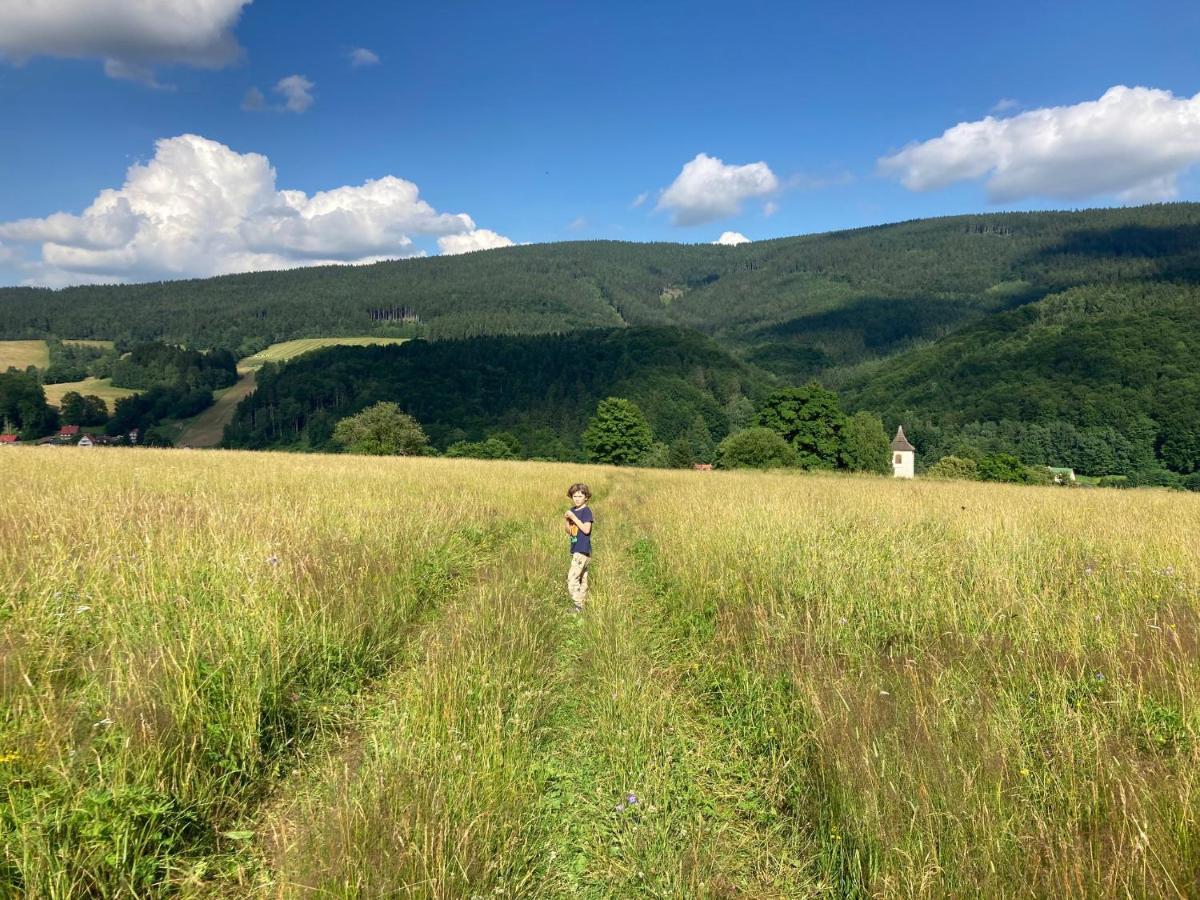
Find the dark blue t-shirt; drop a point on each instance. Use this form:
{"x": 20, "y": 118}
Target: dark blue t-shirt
{"x": 580, "y": 542}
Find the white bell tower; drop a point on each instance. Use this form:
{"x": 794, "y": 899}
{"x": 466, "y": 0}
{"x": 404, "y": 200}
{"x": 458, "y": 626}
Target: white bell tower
{"x": 904, "y": 455}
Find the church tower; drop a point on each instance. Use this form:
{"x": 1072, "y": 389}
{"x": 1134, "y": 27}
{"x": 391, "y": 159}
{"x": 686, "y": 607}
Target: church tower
{"x": 903, "y": 455}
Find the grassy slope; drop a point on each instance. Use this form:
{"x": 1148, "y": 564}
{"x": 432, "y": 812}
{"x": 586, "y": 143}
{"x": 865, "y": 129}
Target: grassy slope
{"x": 100, "y": 387}
{"x": 286, "y": 350}
{"x": 207, "y": 429}
{"x": 22, "y": 354}
{"x": 355, "y": 684}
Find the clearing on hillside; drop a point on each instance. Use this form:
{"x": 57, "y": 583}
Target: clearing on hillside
{"x": 291, "y": 349}
{"x": 88, "y": 342}
{"x": 207, "y": 429}
{"x": 100, "y": 387}
{"x": 23, "y": 354}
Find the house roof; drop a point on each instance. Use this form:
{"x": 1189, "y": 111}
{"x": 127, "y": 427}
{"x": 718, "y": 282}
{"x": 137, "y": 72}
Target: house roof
{"x": 8, "y": 438}
{"x": 900, "y": 442}
{"x": 69, "y": 429}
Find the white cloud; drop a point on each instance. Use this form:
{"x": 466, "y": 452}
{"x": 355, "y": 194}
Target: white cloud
{"x": 770, "y": 208}
{"x": 199, "y": 208}
{"x": 577, "y": 224}
{"x": 707, "y": 189}
{"x": 639, "y": 199}
{"x": 1132, "y": 143}
{"x": 469, "y": 242}
{"x": 1004, "y": 105}
{"x": 732, "y": 239}
{"x": 361, "y": 56}
{"x": 131, "y": 37}
{"x": 297, "y": 92}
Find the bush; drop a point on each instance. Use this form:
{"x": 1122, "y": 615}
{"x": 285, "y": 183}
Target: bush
{"x": 954, "y": 467}
{"x": 618, "y": 434}
{"x": 755, "y": 448}
{"x": 382, "y": 430}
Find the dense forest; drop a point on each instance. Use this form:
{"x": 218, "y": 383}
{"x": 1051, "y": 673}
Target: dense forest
{"x": 1067, "y": 338}
{"x": 539, "y": 391}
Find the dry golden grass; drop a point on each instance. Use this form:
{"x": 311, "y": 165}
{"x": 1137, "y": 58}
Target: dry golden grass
{"x": 100, "y": 387}
{"x": 291, "y": 349}
{"x": 23, "y": 354}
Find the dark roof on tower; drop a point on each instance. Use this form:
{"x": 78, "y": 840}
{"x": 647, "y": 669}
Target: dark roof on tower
{"x": 900, "y": 442}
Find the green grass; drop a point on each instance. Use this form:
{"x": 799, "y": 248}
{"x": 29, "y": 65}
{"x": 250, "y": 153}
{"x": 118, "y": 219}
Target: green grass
{"x": 286, "y": 350}
{"x": 23, "y": 354}
{"x": 280, "y": 675}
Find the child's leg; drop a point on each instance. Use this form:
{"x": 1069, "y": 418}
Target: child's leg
{"x": 577, "y": 579}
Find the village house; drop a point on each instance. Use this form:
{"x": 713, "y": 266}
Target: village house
{"x": 8, "y": 439}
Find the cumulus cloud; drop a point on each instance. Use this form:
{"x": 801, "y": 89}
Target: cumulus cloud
{"x": 1003, "y": 105}
{"x": 1132, "y": 142}
{"x": 708, "y": 189}
{"x": 639, "y": 199}
{"x": 732, "y": 239}
{"x": 361, "y": 56}
{"x": 470, "y": 241}
{"x": 130, "y": 37}
{"x": 199, "y": 208}
{"x": 297, "y": 93}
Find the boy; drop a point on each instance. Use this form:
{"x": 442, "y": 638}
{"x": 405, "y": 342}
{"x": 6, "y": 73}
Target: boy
{"x": 578, "y": 524}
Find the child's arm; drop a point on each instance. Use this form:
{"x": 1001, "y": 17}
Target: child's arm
{"x": 585, "y": 527}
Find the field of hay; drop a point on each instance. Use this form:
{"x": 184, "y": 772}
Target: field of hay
{"x": 291, "y": 349}
{"x": 266, "y": 675}
{"x": 100, "y": 387}
{"x": 23, "y": 354}
{"x": 88, "y": 342}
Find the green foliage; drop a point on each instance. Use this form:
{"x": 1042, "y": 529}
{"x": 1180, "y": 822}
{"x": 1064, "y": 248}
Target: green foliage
{"x": 492, "y": 448}
{"x": 381, "y": 430}
{"x": 864, "y": 445}
{"x": 755, "y": 448}
{"x": 618, "y": 433}
{"x": 23, "y": 407}
{"x": 75, "y": 362}
{"x": 146, "y": 410}
{"x": 76, "y": 409}
{"x": 151, "y": 364}
{"x": 809, "y": 419}
{"x": 1002, "y": 467}
{"x": 954, "y": 467}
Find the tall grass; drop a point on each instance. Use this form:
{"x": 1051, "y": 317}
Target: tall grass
{"x": 264, "y": 675}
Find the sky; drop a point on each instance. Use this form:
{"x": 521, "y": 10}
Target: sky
{"x": 170, "y": 139}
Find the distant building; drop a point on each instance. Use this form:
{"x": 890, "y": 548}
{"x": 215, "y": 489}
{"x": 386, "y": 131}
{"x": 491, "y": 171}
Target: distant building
{"x": 68, "y": 431}
{"x": 8, "y": 439}
{"x": 904, "y": 455}
{"x": 85, "y": 441}
{"x": 1062, "y": 474}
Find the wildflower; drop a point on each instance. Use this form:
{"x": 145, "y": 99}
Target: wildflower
{"x": 9, "y": 757}
{"x": 620, "y": 807}
{"x": 1099, "y": 676}
{"x": 1024, "y": 773}
{"x": 272, "y": 560}
{"x": 631, "y": 799}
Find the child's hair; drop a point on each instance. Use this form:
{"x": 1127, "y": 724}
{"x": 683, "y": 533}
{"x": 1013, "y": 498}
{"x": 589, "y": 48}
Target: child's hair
{"x": 579, "y": 487}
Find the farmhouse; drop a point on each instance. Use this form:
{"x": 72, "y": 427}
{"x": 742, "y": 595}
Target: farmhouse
{"x": 68, "y": 431}
{"x": 8, "y": 439}
{"x": 1062, "y": 474}
{"x": 85, "y": 441}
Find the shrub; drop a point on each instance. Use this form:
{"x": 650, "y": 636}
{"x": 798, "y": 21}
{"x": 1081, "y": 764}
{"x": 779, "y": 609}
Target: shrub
{"x": 755, "y": 448}
{"x": 954, "y": 467}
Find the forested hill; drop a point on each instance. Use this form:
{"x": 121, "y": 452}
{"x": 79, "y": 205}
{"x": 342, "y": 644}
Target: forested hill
{"x": 819, "y": 304}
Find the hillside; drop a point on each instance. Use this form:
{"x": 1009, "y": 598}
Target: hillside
{"x": 540, "y": 389}
{"x": 800, "y": 306}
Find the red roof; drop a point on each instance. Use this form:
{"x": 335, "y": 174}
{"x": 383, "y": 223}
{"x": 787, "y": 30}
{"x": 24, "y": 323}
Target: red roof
{"x": 8, "y": 438}
{"x": 69, "y": 429}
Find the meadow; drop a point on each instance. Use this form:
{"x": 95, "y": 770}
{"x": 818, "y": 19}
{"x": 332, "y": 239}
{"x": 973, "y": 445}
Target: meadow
{"x": 99, "y": 387}
{"x": 23, "y": 354}
{"x": 286, "y": 350}
{"x": 261, "y": 675}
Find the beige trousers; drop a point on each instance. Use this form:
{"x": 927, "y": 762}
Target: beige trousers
{"x": 577, "y": 579}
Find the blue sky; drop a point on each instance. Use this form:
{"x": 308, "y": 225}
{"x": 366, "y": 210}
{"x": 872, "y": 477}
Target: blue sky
{"x": 547, "y": 122}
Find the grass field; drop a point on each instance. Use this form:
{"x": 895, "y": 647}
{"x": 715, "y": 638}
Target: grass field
{"x": 23, "y": 354}
{"x": 101, "y": 387}
{"x": 266, "y": 675}
{"x": 103, "y": 345}
{"x": 291, "y": 349}
{"x": 207, "y": 429}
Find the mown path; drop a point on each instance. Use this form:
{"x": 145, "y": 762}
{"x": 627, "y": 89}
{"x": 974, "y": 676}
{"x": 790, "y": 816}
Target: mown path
{"x": 523, "y": 751}
{"x": 207, "y": 429}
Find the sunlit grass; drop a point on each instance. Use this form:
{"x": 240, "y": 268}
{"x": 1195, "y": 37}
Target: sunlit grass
{"x": 286, "y": 350}
{"x": 233, "y": 674}
{"x": 23, "y": 354}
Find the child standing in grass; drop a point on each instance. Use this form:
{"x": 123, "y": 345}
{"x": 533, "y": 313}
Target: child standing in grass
{"x": 578, "y": 524}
